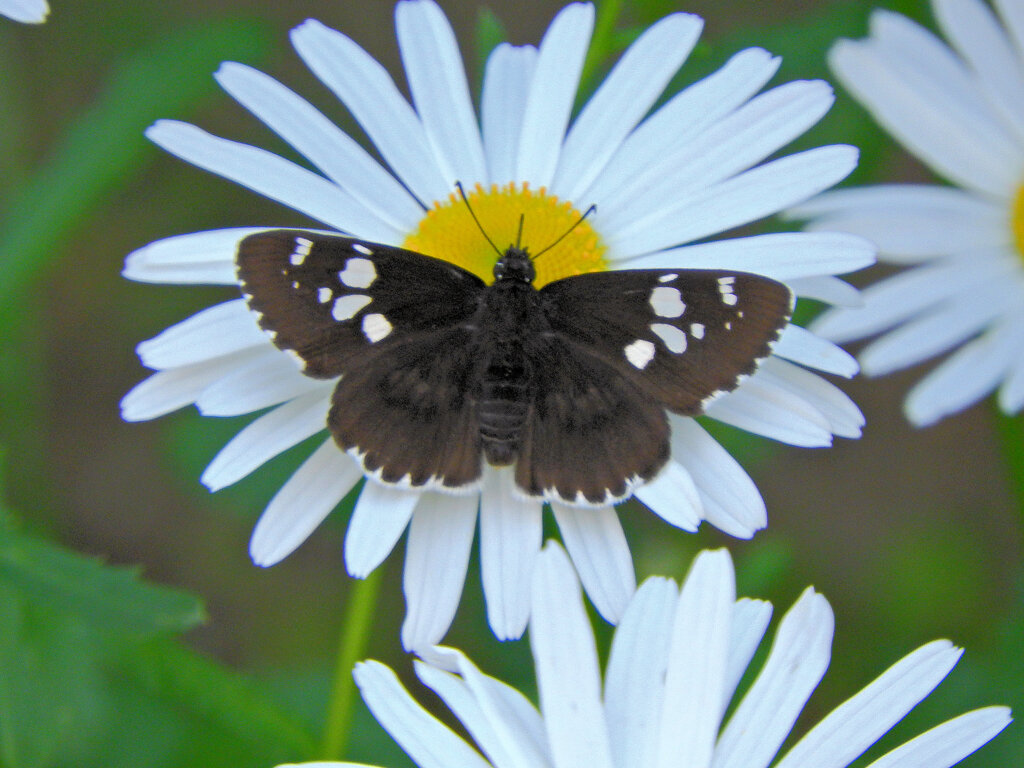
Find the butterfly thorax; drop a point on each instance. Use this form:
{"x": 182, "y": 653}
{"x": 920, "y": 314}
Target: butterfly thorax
{"x": 511, "y": 311}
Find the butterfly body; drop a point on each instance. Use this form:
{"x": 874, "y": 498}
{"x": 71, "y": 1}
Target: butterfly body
{"x": 440, "y": 372}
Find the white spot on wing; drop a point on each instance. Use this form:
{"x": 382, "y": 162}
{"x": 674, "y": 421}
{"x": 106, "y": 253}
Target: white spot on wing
{"x": 358, "y": 273}
{"x": 346, "y": 307}
{"x": 302, "y": 248}
{"x": 362, "y": 249}
{"x": 639, "y": 353}
{"x": 323, "y": 295}
{"x": 730, "y": 299}
{"x": 674, "y": 338}
{"x": 668, "y": 278}
{"x": 697, "y": 330}
{"x": 296, "y": 357}
{"x": 667, "y": 302}
{"x": 376, "y": 327}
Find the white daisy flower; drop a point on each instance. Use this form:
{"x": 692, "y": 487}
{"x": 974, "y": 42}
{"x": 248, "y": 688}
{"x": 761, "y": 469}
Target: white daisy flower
{"x": 675, "y": 662}
{"x": 27, "y": 11}
{"x": 959, "y": 110}
{"x": 691, "y": 169}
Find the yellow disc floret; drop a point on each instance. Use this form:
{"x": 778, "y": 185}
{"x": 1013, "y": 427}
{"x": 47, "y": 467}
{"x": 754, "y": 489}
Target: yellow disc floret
{"x": 448, "y": 232}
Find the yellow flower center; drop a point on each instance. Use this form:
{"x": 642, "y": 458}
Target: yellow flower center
{"x": 1018, "y": 222}
{"x": 448, "y": 232}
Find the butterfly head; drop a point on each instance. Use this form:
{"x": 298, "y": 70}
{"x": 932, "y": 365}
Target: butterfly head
{"x": 515, "y": 264}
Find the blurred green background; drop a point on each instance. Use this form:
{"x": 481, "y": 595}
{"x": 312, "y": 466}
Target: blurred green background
{"x": 197, "y": 657}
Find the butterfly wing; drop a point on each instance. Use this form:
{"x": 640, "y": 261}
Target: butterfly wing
{"x": 329, "y": 299}
{"x": 396, "y": 327}
{"x": 682, "y": 337}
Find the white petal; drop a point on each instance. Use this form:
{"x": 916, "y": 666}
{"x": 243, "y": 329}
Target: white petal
{"x": 502, "y": 721}
{"x": 807, "y": 348}
{"x": 371, "y": 95}
{"x": 269, "y": 379}
{"x": 328, "y": 147}
{"x": 213, "y": 332}
{"x": 269, "y": 175}
{"x": 860, "y": 721}
{"x": 302, "y": 503}
{"x": 25, "y": 11}
{"x": 763, "y": 407}
{"x": 429, "y": 742}
{"x": 749, "y": 621}
{"x": 199, "y": 257}
{"x": 947, "y": 130}
{"x": 796, "y": 663}
{"x": 437, "y": 81}
{"x": 966, "y": 377}
{"x": 506, "y": 85}
{"x": 1013, "y": 17}
{"x": 380, "y": 516}
{"x": 695, "y": 680}
{"x": 730, "y": 499}
{"x": 436, "y": 558}
{"x": 510, "y": 537}
{"x": 685, "y": 116}
{"x": 780, "y": 256}
{"x": 266, "y": 437}
{"x": 634, "y": 680}
{"x": 751, "y": 195}
{"x": 169, "y": 390}
{"x": 552, "y": 92}
{"x": 842, "y": 415}
{"x": 568, "y": 676}
{"x": 672, "y": 496}
{"x": 597, "y": 545}
{"x": 947, "y": 744}
{"x": 625, "y": 96}
{"x": 830, "y": 290}
{"x": 1011, "y": 394}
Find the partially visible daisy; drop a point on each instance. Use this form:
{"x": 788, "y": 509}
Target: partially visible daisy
{"x": 27, "y": 11}
{"x": 692, "y": 169}
{"x": 675, "y": 662}
{"x": 960, "y": 109}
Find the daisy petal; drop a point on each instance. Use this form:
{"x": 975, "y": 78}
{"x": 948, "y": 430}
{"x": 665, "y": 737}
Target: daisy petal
{"x": 830, "y": 290}
{"x": 694, "y": 682}
{"x": 781, "y": 256}
{"x": 266, "y": 437}
{"x": 860, "y": 721}
{"x": 624, "y": 97}
{"x": 810, "y": 350}
{"x": 673, "y": 497}
{"x": 269, "y": 175}
{"x": 1013, "y": 17}
{"x": 423, "y": 737}
{"x": 436, "y": 559}
{"x": 568, "y": 678}
{"x": 969, "y": 375}
{"x": 750, "y": 620}
{"x": 597, "y": 545}
{"x": 636, "y": 669}
{"x": 303, "y": 502}
{"x": 1011, "y": 394}
{"x": 506, "y": 85}
{"x": 437, "y": 81}
{"x": 764, "y": 408}
{"x": 552, "y": 91}
{"x": 843, "y": 416}
{"x": 216, "y": 331}
{"x": 510, "y": 537}
{"x": 26, "y": 11}
{"x": 366, "y": 88}
{"x": 730, "y": 499}
{"x": 380, "y": 516}
{"x": 267, "y": 380}
{"x": 200, "y": 258}
{"x": 325, "y": 145}
{"x": 949, "y": 743}
{"x": 796, "y": 663}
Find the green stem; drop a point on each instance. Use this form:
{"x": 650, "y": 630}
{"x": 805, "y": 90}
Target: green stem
{"x": 1011, "y": 433}
{"x": 355, "y": 632}
{"x": 601, "y": 43}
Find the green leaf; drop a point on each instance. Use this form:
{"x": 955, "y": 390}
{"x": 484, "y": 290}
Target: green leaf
{"x": 107, "y": 598}
{"x": 105, "y": 146}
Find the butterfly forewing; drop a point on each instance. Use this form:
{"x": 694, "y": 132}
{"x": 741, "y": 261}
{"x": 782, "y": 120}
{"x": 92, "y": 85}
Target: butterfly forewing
{"x": 328, "y": 299}
{"x": 682, "y": 336}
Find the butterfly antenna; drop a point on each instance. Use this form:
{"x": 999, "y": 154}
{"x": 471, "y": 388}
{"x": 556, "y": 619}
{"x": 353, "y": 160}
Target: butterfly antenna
{"x": 579, "y": 221}
{"x": 458, "y": 185}
{"x": 519, "y": 234}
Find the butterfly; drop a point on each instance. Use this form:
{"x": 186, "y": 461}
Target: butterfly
{"x": 439, "y": 371}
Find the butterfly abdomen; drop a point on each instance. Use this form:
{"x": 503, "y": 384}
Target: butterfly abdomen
{"x": 504, "y": 401}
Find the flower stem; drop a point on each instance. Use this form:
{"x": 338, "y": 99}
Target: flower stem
{"x": 355, "y": 632}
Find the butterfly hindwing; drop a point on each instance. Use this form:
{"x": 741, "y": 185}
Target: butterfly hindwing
{"x": 682, "y": 336}
{"x": 328, "y": 299}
